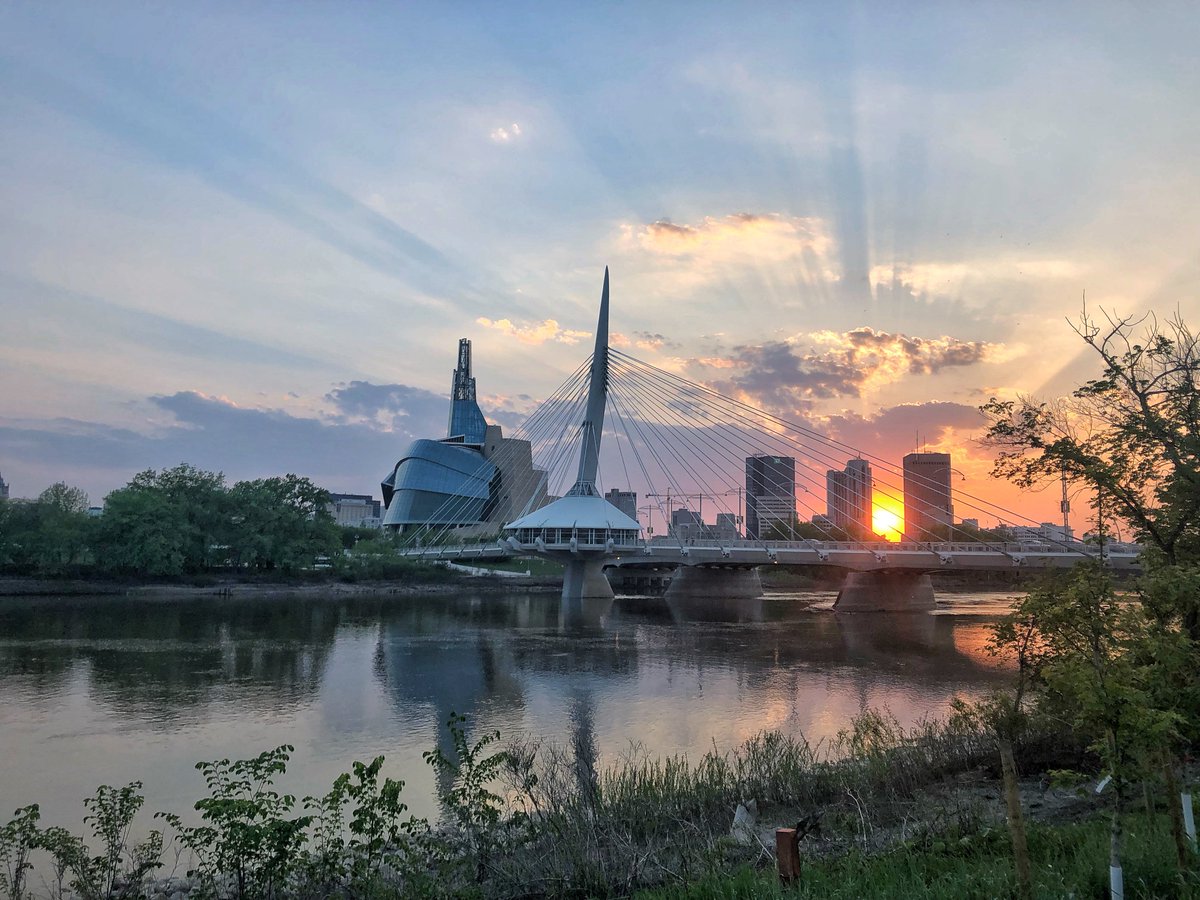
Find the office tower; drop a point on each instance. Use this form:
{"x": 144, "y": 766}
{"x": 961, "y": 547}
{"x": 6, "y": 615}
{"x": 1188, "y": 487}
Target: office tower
{"x": 625, "y": 501}
{"x": 848, "y": 496}
{"x": 928, "y": 512}
{"x": 770, "y": 496}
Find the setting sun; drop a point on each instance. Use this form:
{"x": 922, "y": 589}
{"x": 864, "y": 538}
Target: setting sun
{"x": 887, "y": 518}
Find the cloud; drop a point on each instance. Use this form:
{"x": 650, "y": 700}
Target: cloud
{"x": 349, "y": 447}
{"x": 390, "y": 407}
{"x": 789, "y": 376}
{"x": 505, "y": 135}
{"x": 739, "y": 237}
{"x": 954, "y": 278}
{"x": 892, "y": 354}
{"x": 653, "y": 342}
{"x": 534, "y": 333}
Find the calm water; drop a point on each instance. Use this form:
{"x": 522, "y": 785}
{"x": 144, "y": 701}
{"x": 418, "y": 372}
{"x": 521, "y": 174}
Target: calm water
{"x": 102, "y": 691}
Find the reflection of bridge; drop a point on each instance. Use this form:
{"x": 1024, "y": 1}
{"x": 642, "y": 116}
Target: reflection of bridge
{"x": 694, "y": 437}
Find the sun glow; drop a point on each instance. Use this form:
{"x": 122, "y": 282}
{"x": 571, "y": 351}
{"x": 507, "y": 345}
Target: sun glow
{"x": 887, "y": 518}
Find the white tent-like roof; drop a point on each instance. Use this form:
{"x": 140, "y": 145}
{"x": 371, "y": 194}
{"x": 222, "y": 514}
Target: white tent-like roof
{"x": 577, "y": 512}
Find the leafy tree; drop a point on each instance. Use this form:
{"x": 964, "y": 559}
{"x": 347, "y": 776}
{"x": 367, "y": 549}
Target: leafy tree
{"x": 1099, "y": 677}
{"x": 62, "y": 533}
{"x": 1004, "y": 713}
{"x": 48, "y": 534}
{"x": 1133, "y": 434}
{"x": 141, "y": 532}
{"x": 200, "y": 500}
{"x": 281, "y": 523}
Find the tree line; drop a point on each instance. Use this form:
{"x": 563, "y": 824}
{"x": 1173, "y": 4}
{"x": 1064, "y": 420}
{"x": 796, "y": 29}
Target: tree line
{"x": 173, "y": 522}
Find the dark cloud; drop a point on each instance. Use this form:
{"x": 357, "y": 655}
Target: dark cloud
{"x": 349, "y": 450}
{"x": 925, "y": 356}
{"x": 781, "y": 379}
{"x": 784, "y": 377}
{"x": 395, "y": 406}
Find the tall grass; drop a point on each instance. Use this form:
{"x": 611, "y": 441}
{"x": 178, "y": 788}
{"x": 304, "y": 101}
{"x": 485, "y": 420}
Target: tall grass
{"x": 645, "y": 821}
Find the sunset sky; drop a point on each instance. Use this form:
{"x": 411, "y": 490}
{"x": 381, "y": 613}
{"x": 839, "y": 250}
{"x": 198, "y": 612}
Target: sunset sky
{"x": 248, "y": 236}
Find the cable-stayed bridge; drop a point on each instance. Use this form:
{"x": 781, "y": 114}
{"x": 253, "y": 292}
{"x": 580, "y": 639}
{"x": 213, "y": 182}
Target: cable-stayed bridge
{"x": 683, "y": 441}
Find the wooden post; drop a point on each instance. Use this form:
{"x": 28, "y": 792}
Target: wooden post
{"x": 787, "y": 854}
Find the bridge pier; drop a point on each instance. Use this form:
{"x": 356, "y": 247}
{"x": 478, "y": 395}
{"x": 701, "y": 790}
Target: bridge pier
{"x": 723, "y": 582}
{"x": 584, "y": 579}
{"x": 885, "y": 591}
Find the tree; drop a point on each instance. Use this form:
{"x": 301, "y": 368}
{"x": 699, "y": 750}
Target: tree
{"x": 141, "y": 532}
{"x": 46, "y": 535}
{"x": 62, "y": 533}
{"x": 281, "y": 523}
{"x": 1132, "y": 435}
{"x": 1005, "y": 715}
{"x": 201, "y": 512}
{"x": 1099, "y": 679}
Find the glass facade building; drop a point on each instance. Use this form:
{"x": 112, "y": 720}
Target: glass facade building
{"x": 770, "y": 497}
{"x": 473, "y": 477}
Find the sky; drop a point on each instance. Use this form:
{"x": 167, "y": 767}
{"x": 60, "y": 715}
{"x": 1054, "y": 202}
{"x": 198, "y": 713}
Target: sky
{"x": 248, "y": 236}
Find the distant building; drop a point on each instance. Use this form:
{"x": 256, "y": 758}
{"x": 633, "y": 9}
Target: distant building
{"x": 687, "y": 525}
{"x": 970, "y": 523}
{"x": 355, "y": 510}
{"x": 95, "y": 512}
{"x": 927, "y": 507}
{"x": 625, "y": 501}
{"x": 727, "y": 527}
{"x": 474, "y": 478}
{"x": 1047, "y": 532}
{"x": 848, "y": 496}
{"x": 770, "y": 495}
{"x": 3, "y": 488}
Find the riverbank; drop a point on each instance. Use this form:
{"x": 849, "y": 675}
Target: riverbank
{"x": 309, "y": 587}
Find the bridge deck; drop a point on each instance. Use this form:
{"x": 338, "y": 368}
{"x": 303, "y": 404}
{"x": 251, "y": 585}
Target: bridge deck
{"x": 861, "y": 557}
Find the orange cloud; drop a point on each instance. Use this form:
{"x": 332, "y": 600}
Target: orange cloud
{"x": 534, "y": 333}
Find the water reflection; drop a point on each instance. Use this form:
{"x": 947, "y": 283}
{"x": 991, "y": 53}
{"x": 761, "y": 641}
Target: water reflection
{"x": 143, "y": 689}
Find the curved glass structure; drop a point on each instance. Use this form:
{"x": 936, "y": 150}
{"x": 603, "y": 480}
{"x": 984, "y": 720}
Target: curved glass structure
{"x": 438, "y": 483}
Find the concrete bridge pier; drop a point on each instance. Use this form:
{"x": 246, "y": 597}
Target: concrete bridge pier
{"x": 885, "y": 591}
{"x": 724, "y": 582}
{"x": 584, "y": 579}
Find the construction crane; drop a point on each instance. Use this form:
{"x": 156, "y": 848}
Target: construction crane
{"x": 700, "y": 506}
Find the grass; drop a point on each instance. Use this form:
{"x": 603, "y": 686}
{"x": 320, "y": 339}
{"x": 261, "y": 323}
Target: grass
{"x": 1069, "y": 861}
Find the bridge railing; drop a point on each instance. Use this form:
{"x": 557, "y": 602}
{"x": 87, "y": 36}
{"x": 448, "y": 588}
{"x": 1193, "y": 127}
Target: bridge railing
{"x": 1010, "y": 547}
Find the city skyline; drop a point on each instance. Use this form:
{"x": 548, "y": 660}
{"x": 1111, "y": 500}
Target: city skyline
{"x": 245, "y": 239}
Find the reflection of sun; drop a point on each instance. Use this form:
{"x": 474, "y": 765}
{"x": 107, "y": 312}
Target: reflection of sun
{"x": 887, "y": 523}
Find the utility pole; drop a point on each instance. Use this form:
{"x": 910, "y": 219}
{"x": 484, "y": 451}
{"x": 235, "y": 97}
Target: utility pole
{"x": 1065, "y": 506}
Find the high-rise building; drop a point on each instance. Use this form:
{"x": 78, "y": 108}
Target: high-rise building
{"x": 848, "y": 496}
{"x": 3, "y": 488}
{"x": 770, "y": 496}
{"x": 625, "y": 501}
{"x": 927, "y": 506}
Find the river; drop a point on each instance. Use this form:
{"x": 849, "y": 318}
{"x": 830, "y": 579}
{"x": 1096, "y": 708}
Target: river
{"x": 97, "y": 690}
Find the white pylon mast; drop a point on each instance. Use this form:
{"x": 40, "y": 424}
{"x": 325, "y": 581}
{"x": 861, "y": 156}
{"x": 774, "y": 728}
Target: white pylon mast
{"x": 593, "y": 420}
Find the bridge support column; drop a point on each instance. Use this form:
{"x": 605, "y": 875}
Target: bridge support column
{"x": 724, "y": 582}
{"x": 584, "y": 580}
{"x": 889, "y": 591}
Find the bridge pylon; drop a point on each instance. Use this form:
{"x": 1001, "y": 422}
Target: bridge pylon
{"x": 582, "y": 529}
